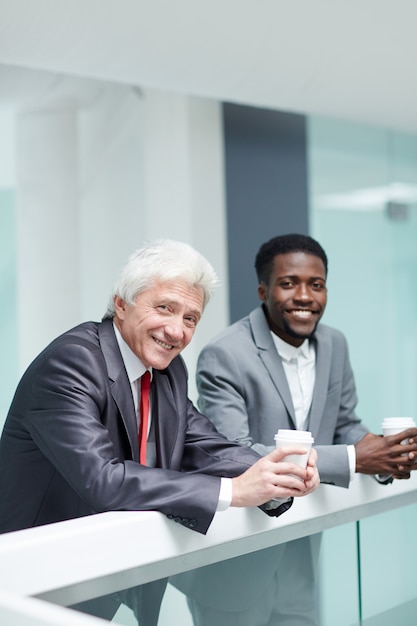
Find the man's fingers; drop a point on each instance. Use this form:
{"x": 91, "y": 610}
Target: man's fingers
{"x": 280, "y": 453}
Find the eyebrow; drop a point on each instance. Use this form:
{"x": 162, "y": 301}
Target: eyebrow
{"x": 175, "y": 301}
{"x": 296, "y": 277}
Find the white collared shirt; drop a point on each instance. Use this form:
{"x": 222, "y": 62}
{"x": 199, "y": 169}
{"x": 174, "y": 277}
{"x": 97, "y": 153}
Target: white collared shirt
{"x": 300, "y": 369}
{"x": 135, "y": 370}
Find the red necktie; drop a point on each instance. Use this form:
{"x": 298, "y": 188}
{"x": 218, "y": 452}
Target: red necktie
{"x": 145, "y": 386}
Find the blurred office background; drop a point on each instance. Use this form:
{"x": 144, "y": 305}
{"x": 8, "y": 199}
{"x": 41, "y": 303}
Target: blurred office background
{"x": 222, "y": 125}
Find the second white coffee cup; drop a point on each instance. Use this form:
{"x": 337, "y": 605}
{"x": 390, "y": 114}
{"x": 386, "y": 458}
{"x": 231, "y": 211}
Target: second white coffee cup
{"x": 395, "y": 425}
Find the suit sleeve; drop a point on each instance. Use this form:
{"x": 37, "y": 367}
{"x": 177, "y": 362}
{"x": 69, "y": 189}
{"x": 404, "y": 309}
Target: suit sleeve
{"x": 209, "y": 451}
{"x": 349, "y": 427}
{"x": 333, "y": 461}
{"x": 69, "y": 397}
{"x": 70, "y": 422}
{"x": 222, "y": 395}
{"x": 230, "y": 392}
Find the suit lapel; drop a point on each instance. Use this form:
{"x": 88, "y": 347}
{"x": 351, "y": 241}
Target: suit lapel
{"x": 323, "y": 363}
{"x": 166, "y": 419}
{"x": 270, "y": 358}
{"x": 119, "y": 383}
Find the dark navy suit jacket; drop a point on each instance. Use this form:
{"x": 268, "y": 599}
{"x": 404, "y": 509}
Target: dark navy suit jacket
{"x": 69, "y": 445}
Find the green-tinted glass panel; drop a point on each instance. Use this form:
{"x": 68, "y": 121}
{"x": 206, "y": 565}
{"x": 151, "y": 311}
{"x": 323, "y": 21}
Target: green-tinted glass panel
{"x": 363, "y": 183}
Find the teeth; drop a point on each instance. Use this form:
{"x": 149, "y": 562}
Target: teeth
{"x": 161, "y": 343}
{"x": 302, "y": 313}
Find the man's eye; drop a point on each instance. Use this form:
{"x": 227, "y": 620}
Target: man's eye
{"x": 319, "y": 286}
{"x": 191, "y": 321}
{"x": 286, "y": 284}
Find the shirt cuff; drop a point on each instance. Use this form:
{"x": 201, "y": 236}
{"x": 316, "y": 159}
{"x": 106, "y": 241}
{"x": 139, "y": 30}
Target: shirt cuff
{"x": 352, "y": 461}
{"x": 225, "y": 495}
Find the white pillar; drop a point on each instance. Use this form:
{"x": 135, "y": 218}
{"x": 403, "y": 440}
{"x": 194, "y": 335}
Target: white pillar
{"x": 96, "y": 180}
{"x": 47, "y": 219}
{"x": 184, "y": 192}
{"x": 112, "y": 211}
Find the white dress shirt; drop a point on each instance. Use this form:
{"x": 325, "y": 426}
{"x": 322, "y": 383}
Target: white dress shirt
{"x": 300, "y": 369}
{"x": 135, "y": 370}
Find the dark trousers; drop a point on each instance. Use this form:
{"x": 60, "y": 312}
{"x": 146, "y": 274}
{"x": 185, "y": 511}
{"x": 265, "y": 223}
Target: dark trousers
{"x": 144, "y": 600}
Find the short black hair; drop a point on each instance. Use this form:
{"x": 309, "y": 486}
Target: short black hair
{"x": 284, "y": 244}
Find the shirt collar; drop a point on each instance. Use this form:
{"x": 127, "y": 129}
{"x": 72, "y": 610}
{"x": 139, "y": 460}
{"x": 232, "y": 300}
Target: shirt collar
{"x": 134, "y": 366}
{"x": 287, "y": 351}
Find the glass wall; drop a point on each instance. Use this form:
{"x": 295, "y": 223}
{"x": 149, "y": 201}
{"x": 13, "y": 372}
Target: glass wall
{"x": 363, "y": 201}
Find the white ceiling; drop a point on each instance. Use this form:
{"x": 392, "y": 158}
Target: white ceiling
{"x": 350, "y": 59}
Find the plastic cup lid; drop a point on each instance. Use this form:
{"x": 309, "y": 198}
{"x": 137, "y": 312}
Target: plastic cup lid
{"x": 395, "y": 421}
{"x": 294, "y": 435}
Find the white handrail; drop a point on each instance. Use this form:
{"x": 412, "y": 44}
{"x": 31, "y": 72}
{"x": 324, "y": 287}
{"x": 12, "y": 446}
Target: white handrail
{"x": 76, "y": 560}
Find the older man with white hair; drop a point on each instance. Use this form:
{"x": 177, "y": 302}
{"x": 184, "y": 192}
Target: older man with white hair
{"x": 101, "y": 421}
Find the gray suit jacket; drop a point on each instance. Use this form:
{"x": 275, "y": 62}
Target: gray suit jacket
{"x": 244, "y": 391}
{"x": 69, "y": 446}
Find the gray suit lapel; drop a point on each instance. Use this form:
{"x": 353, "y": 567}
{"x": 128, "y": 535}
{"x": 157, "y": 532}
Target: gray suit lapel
{"x": 270, "y": 358}
{"x": 323, "y": 363}
{"x": 119, "y": 385}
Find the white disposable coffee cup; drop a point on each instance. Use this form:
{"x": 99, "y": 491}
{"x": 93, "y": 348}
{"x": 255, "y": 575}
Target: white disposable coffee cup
{"x": 395, "y": 425}
{"x": 302, "y": 438}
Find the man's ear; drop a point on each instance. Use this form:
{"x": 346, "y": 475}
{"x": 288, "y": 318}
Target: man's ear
{"x": 119, "y": 307}
{"x": 262, "y": 292}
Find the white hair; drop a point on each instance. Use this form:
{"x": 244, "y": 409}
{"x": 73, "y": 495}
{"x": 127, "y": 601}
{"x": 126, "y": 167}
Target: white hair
{"x": 162, "y": 260}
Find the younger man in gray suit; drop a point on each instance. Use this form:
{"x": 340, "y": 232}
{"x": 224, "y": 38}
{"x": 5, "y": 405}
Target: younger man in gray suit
{"x": 279, "y": 368}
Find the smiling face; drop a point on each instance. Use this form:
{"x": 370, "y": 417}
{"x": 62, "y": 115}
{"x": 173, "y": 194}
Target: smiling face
{"x": 295, "y": 297}
{"x": 162, "y": 321}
